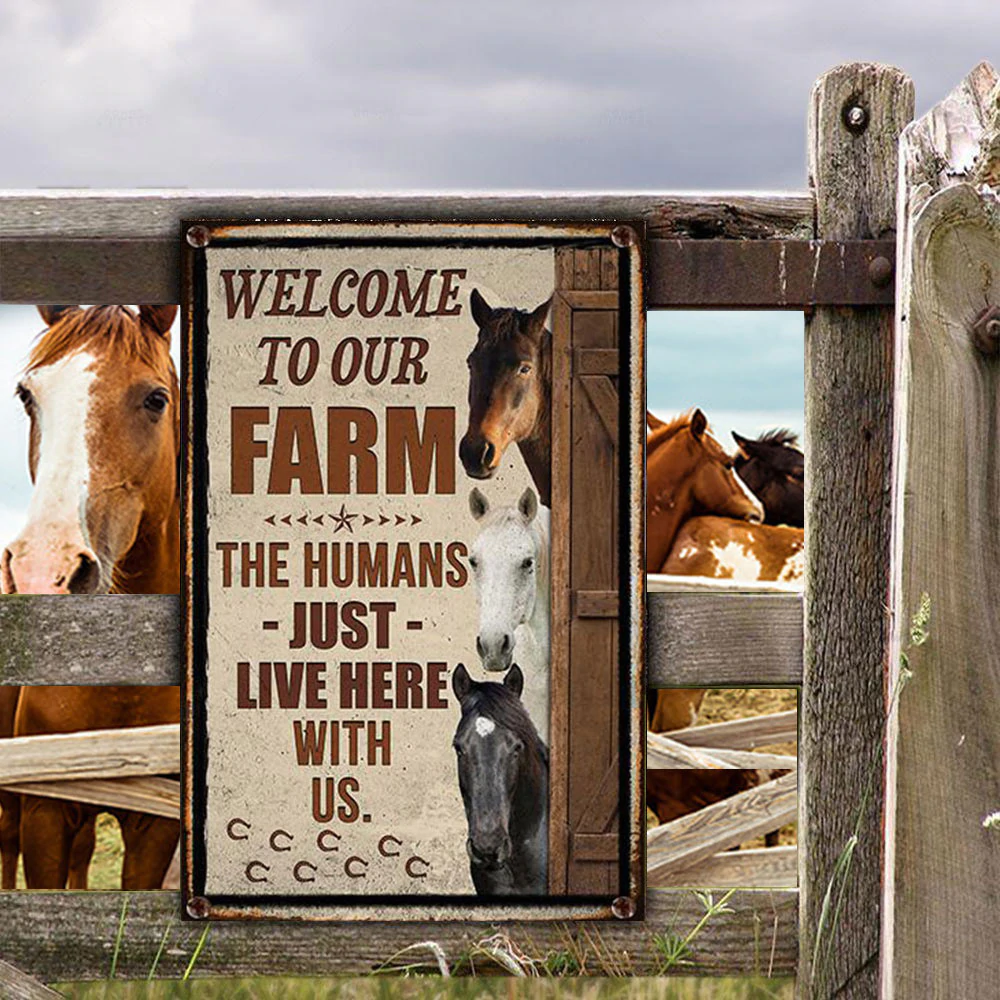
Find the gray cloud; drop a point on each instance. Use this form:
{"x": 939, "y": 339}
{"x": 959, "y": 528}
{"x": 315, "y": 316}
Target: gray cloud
{"x": 644, "y": 94}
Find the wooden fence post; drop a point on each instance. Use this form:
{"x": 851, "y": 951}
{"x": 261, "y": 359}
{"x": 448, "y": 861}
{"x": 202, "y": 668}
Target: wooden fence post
{"x": 856, "y": 116}
{"x": 942, "y": 887}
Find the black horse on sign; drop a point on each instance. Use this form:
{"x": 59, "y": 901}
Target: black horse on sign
{"x": 503, "y": 772}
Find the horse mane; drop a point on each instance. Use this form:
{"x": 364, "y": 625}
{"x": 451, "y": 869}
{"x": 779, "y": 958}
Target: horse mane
{"x": 504, "y": 325}
{"x": 670, "y": 428}
{"x": 117, "y": 327}
{"x": 499, "y": 703}
{"x": 780, "y": 436}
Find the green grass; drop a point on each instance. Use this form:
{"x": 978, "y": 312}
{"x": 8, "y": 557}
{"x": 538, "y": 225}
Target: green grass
{"x": 434, "y": 988}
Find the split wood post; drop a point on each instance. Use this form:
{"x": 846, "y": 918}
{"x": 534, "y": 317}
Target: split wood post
{"x": 856, "y": 116}
{"x": 941, "y": 933}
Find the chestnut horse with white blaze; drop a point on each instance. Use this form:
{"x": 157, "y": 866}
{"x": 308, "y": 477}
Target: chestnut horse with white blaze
{"x": 102, "y": 396}
{"x": 510, "y": 393}
{"x": 687, "y": 472}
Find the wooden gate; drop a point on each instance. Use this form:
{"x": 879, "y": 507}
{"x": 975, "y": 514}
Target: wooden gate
{"x": 827, "y": 252}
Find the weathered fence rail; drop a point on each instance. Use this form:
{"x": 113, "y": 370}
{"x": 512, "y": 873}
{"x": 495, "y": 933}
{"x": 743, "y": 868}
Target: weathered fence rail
{"x": 700, "y": 633}
{"x": 675, "y": 846}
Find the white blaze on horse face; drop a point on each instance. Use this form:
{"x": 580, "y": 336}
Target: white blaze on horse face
{"x": 485, "y": 726}
{"x": 62, "y": 474}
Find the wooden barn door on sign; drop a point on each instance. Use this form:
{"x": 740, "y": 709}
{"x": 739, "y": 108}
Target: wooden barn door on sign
{"x": 587, "y": 808}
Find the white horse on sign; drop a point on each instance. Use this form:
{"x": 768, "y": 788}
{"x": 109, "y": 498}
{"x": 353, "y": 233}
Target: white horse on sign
{"x": 510, "y": 564}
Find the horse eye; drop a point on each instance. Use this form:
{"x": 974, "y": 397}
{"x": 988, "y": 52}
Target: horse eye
{"x": 528, "y": 563}
{"x": 525, "y": 369}
{"x": 729, "y": 465}
{"x": 156, "y": 401}
{"x": 23, "y": 394}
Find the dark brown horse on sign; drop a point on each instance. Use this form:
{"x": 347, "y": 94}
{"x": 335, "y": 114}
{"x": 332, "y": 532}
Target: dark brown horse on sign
{"x": 102, "y": 396}
{"x": 510, "y": 393}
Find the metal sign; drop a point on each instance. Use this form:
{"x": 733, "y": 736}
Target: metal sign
{"x": 413, "y": 596}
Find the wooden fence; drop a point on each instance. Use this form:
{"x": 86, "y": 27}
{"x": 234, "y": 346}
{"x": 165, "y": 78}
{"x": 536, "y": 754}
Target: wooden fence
{"x": 926, "y": 523}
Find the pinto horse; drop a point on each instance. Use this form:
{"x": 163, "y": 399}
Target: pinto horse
{"x": 687, "y": 472}
{"x": 510, "y": 393}
{"x": 503, "y": 773}
{"x": 102, "y": 397}
{"x": 774, "y": 469}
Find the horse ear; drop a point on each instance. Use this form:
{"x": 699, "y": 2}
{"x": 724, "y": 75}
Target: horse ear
{"x": 481, "y": 311}
{"x": 654, "y": 423}
{"x": 514, "y": 680}
{"x": 528, "y": 505}
{"x": 478, "y": 504}
{"x": 461, "y": 682}
{"x": 537, "y": 317}
{"x": 699, "y": 424}
{"x": 743, "y": 444}
{"x": 158, "y": 318}
{"x": 52, "y": 314}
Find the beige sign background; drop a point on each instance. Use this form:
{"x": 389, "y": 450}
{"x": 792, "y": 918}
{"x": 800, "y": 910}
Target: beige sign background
{"x": 260, "y": 799}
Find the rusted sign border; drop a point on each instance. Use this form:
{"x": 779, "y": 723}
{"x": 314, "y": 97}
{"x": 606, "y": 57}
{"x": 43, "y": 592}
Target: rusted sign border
{"x": 628, "y": 902}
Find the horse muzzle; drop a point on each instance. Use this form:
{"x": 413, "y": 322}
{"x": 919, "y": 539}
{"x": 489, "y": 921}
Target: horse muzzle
{"x": 495, "y": 652}
{"x": 44, "y": 567}
{"x": 490, "y": 859}
{"x": 479, "y": 457}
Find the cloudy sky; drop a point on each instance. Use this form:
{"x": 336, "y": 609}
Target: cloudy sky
{"x": 651, "y": 95}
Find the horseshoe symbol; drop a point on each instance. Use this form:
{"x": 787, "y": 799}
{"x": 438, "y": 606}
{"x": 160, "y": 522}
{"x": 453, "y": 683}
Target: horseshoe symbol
{"x": 298, "y": 868}
{"x": 382, "y": 849}
{"x": 411, "y": 864}
{"x": 235, "y": 836}
{"x": 351, "y": 870}
{"x": 281, "y": 833}
{"x": 323, "y": 836}
{"x": 256, "y": 878}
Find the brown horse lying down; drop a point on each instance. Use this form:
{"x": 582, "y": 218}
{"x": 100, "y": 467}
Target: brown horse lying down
{"x": 102, "y": 396}
{"x": 726, "y": 549}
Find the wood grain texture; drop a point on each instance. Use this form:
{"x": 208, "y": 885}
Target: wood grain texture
{"x": 105, "y": 753}
{"x": 698, "y": 636}
{"x": 729, "y": 639}
{"x": 156, "y": 796}
{"x": 742, "y": 734}
{"x": 114, "y": 639}
{"x": 159, "y": 214}
{"x": 676, "y": 845}
{"x": 17, "y": 985}
{"x": 756, "y": 867}
{"x": 942, "y": 890}
{"x": 664, "y": 752}
{"x": 848, "y": 439}
{"x": 42, "y": 936}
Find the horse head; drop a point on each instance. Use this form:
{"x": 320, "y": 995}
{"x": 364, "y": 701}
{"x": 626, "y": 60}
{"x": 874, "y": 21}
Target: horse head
{"x": 774, "y": 469}
{"x": 509, "y": 383}
{"x": 502, "y": 767}
{"x": 508, "y": 559}
{"x": 101, "y": 394}
{"x": 687, "y": 473}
